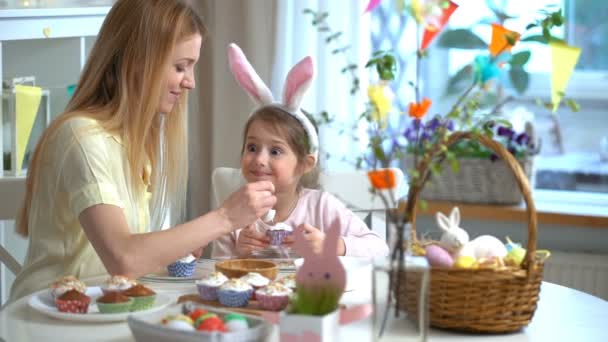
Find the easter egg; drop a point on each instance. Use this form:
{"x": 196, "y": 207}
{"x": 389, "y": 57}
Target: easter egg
{"x": 516, "y": 256}
{"x": 438, "y": 256}
{"x": 197, "y": 313}
{"x": 464, "y": 261}
{"x": 179, "y": 317}
{"x": 235, "y": 322}
{"x": 212, "y": 324}
{"x": 180, "y": 325}
{"x": 203, "y": 317}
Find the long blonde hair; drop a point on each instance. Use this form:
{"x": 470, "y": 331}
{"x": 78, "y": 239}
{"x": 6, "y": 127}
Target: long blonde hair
{"x": 120, "y": 87}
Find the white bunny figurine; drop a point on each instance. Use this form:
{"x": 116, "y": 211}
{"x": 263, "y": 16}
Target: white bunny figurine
{"x": 456, "y": 240}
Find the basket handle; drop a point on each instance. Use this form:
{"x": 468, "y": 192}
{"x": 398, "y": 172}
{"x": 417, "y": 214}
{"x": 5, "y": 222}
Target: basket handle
{"x": 504, "y": 154}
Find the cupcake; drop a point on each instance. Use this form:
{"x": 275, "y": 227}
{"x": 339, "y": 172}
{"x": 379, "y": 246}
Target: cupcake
{"x": 277, "y": 233}
{"x": 256, "y": 281}
{"x": 207, "y": 286}
{"x": 234, "y": 293}
{"x": 274, "y": 297}
{"x": 143, "y": 297}
{"x": 117, "y": 283}
{"x": 73, "y": 301}
{"x": 114, "y": 302}
{"x": 183, "y": 267}
{"x": 65, "y": 284}
{"x": 288, "y": 281}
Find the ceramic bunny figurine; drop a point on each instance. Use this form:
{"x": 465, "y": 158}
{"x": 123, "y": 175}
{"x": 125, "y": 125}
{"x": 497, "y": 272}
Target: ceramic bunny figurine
{"x": 323, "y": 270}
{"x": 456, "y": 240}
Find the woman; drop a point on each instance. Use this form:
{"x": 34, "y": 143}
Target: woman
{"x": 119, "y": 146}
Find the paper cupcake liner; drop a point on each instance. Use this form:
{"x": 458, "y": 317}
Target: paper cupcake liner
{"x": 272, "y": 303}
{"x": 207, "y": 292}
{"x": 234, "y": 298}
{"x": 276, "y": 236}
{"x": 115, "y": 307}
{"x": 142, "y": 303}
{"x": 73, "y": 306}
{"x": 181, "y": 269}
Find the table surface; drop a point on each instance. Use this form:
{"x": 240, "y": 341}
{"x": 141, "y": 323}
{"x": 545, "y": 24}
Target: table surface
{"x": 563, "y": 314}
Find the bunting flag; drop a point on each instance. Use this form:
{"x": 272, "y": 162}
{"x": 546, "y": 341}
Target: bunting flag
{"x": 431, "y": 31}
{"x": 28, "y": 101}
{"x": 372, "y": 5}
{"x": 499, "y": 42}
{"x": 564, "y": 59}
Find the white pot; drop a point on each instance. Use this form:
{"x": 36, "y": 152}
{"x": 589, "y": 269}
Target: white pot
{"x": 309, "y": 328}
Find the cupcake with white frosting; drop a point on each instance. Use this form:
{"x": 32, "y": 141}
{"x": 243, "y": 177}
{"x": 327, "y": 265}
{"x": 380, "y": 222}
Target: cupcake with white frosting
{"x": 274, "y": 297}
{"x": 183, "y": 267}
{"x": 234, "y": 293}
{"x": 256, "y": 281}
{"x": 117, "y": 283}
{"x": 207, "y": 286}
{"x": 65, "y": 284}
{"x": 277, "y": 233}
{"x": 288, "y": 281}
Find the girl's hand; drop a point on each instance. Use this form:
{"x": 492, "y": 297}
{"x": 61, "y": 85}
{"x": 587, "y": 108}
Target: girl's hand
{"x": 249, "y": 203}
{"x": 315, "y": 238}
{"x": 249, "y": 240}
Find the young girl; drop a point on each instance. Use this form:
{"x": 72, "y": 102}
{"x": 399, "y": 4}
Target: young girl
{"x": 281, "y": 145}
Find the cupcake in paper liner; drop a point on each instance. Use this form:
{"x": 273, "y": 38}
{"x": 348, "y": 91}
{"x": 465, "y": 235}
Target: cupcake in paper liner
{"x": 65, "y": 284}
{"x": 143, "y": 297}
{"x": 117, "y": 283}
{"x": 207, "y": 286}
{"x": 273, "y": 297}
{"x": 288, "y": 281}
{"x": 256, "y": 281}
{"x": 183, "y": 267}
{"x": 234, "y": 293}
{"x": 277, "y": 233}
{"x": 73, "y": 301}
{"x": 114, "y": 302}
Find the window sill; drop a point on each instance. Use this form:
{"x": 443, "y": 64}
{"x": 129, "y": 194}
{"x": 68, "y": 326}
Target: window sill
{"x": 552, "y": 207}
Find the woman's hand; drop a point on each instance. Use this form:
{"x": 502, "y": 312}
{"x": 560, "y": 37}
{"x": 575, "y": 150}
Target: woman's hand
{"x": 249, "y": 240}
{"x": 249, "y": 203}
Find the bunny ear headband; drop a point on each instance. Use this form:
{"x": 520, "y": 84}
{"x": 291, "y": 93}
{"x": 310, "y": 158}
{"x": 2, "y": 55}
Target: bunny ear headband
{"x": 297, "y": 83}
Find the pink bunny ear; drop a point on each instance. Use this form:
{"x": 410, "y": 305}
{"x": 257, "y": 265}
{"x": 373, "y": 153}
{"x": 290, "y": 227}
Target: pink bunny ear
{"x": 246, "y": 76}
{"x": 297, "y": 83}
{"x": 330, "y": 245}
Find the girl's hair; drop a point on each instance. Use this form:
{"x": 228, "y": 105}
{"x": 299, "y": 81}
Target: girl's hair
{"x": 121, "y": 87}
{"x": 286, "y": 125}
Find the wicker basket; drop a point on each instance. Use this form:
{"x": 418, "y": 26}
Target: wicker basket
{"x": 478, "y": 300}
{"x": 476, "y": 181}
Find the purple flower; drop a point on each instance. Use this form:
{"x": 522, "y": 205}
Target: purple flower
{"x": 493, "y": 157}
{"x": 449, "y": 125}
{"x": 505, "y": 132}
{"x": 433, "y": 124}
{"x": 522, "y": 139}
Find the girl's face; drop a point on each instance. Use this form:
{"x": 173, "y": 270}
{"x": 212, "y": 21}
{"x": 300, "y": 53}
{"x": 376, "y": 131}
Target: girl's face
{"x": 268, "y": 156}
{"x": 180, "y": 72}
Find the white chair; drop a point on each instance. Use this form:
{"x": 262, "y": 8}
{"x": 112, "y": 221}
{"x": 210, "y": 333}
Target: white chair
{"x": 13, "y": 190}
{"x": 351, "y": 187}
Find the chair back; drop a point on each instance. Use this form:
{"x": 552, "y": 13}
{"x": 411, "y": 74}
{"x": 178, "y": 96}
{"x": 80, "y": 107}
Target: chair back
{"x": 13, "y": 191}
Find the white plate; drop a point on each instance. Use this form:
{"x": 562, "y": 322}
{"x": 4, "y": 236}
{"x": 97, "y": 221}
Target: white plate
{"x": 43, "y": 302}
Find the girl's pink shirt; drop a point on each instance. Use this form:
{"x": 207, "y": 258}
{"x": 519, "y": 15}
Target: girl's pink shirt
{"x": 324, "y": 211}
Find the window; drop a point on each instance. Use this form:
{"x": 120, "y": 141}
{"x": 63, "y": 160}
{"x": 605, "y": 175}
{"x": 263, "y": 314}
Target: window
{"x": 571, "y": 143}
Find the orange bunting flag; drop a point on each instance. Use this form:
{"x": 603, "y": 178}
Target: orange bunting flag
{"x": 564, "y": 60}
{"x": 418, "y": 110}
{"x": 500, "y": 43}
{"x": 431, "y": 31}
{"x": 382, "y": 179}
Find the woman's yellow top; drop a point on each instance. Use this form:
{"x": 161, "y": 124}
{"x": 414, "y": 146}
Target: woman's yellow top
{"x": 83, "y": 166}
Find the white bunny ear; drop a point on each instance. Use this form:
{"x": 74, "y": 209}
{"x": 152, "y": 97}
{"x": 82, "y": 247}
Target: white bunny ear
{"x": 330, "y": 244}
{"x": 455, "y": 217}
{"x": 297, "y": 83}
{"x": 246, "y": 76}
{"x": 443, "y": 221}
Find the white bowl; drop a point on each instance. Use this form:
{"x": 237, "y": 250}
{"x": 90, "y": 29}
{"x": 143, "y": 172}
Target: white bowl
{"x": 358, "y": 270}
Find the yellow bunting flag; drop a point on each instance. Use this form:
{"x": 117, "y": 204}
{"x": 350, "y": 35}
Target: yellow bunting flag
{"x": 564, "y": 60}
{"x": 500, "y": 43}
{"x": 28, "y": 101}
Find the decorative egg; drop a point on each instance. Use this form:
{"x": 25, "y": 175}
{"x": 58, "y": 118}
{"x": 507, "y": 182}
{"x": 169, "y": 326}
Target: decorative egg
{"x": 438, "y": 257}
{"x": 516, "y": 256}
{"x": 204, "y": 317}
{"x": 179, "y": 325}
{"x": 235, "y": 322}
{"x": 511, "y": 245}
{"x": 197, "y": 313}
{"x": 179, "y": 317}
{"x": 212, "y": 324}
{"x": 464, "y": 261}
